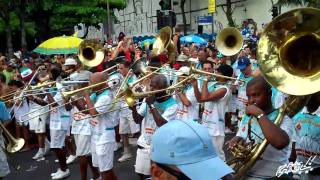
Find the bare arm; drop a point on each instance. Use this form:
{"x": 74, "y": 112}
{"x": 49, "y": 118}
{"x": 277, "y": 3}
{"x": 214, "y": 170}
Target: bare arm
{"x": 92, "y": 110}
{"x": 157, "y": 117}
{"x": 197, "y": 93}
{"x": 211, "y": 96}
{"x": 136, "y": 116}
{"x": 183, "y": 98}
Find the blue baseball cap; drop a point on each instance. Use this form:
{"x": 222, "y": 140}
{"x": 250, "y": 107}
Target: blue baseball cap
{"x": 188, "y": 146}
{"x": 243, "y": 62}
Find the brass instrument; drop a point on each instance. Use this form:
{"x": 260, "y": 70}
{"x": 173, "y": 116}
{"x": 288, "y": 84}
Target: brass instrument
{"x": 14, "y": 144}
{"x": 131, "y": 96}
{"x": 68, "y": 94}
{"x": 163, "y": 42}
{"x": 229, "y": 41}
{"x": 201, "y": 72}
{"x": 91, "y": 53}
{"x": 288, "y": 54}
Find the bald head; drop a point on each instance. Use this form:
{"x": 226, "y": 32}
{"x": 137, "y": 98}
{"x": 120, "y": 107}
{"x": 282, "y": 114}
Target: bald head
{"x": 159, "y": 82}
{"x": 97, "y": 77}
{"x": 259, "y": 81}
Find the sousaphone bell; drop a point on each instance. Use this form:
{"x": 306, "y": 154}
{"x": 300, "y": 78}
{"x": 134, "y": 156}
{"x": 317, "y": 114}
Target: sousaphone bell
{"x": 229, "y": 41}
{"x": 91, "y": 53}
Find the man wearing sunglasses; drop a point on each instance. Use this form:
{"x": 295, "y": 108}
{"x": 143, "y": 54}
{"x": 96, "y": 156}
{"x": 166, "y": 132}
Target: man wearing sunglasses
{"x": 183, "y": 150}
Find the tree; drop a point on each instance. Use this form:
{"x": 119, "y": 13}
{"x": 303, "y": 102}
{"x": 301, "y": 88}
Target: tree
{"x": 309, "y": 3}
{"x": 229, "y": 11}
{"x": 7, "y": 7}
{"x": 184, "y": 20}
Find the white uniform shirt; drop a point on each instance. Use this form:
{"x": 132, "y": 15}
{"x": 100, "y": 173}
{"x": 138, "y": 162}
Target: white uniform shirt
{"x": 20, "y": 110}
{"x": 80, "y": 122}
{"x": 188, "y": 112}
{"x": 214, "y": 111}
{"x": 272, "y": 158}
{"x": 167, "y": 109}
{"x": 103, "y": 132}
{"x": 59, "y": 118}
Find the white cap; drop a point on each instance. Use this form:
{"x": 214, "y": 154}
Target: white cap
{"x": 182, "y": 58}
{"x": 184, "y": 70}
{"x": 70, "y": 61}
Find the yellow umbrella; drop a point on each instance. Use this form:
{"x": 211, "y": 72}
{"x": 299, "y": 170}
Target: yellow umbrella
{"x": 59, "y": 45}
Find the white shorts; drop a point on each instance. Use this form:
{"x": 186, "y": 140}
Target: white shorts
{"x": 83, "y": 144}
{"x": 58, "y": 137}
{"x": 40, "y": 125}
{"x": 128, "y": 126}
{"x": 143, "y": 163}
{"x": 102, "y": 155}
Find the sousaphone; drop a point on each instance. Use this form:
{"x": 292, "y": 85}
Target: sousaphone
{"x": 229, "y": 41}
{"x": 163, "y": 42}
{"x": 289, "y": 58}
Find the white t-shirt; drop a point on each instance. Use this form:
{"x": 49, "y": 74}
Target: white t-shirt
{"x": 60, "y": 118}
{"x": 103, "y": 132}
{"x": 20, "y": 110}
{"x": 188, "y": 112}
{"x": 214, "y": 111}
{"x": 167, "y": 109}
{"x": 80, "y": 122}
{"x": 272, "y": 158}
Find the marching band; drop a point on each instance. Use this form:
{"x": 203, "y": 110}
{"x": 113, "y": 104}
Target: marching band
{"x": 136, "y": 99}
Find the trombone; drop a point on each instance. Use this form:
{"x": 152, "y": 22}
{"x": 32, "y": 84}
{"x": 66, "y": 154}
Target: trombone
{"x": 14, "y": 144}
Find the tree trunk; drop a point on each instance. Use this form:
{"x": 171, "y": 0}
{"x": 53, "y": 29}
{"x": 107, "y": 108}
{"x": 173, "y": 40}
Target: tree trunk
{"x": 182, "y": 2}
{"x": 9, "y": 35}
{"x": 228, "y": 12}
{"x": 22, "y": 26}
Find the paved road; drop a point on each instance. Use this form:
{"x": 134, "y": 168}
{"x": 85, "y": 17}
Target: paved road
{"x": 32, "y": 170}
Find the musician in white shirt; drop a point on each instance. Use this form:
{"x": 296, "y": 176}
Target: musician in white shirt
{"x": 156, "y": 110}
{"x": 216, "y": 96}
{"x": 127, "y": 124}
{"x": 103, "y": 140}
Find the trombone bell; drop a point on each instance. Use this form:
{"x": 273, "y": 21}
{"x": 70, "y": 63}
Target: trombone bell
{"x": 14, "y": 144}
{"x": 91, "y": 53}
{"x": 229, "y": 41}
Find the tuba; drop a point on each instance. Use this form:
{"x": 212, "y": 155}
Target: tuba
{"x": 163, "y": 42}
{"x": 91, "y": 53}
{"x": 229, "y": 41}
{"x": 289, "y": 59}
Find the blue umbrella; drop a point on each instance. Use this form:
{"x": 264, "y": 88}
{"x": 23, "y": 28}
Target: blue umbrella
{"x": 193, "y": 39}
{"x": 147, "y": 41}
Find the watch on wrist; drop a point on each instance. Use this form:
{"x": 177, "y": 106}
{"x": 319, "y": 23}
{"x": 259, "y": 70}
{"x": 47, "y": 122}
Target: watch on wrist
{"x": 151, "y": 106}
{"x": 260, "y": 116}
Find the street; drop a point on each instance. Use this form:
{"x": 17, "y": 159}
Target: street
{"x": 29, "y": 169}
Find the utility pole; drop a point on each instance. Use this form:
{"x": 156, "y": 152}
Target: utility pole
{"x": 212, "y": 29}
{"x": 108, "y": 17}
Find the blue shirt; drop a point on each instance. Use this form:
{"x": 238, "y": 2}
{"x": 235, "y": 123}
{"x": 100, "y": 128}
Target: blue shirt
{"x": 4, "y": 114}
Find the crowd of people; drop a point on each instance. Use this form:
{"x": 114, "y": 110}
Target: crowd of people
{"x": 181, "y": 133}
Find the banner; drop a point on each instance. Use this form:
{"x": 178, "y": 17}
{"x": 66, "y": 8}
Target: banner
{"x": 212, "y": 6}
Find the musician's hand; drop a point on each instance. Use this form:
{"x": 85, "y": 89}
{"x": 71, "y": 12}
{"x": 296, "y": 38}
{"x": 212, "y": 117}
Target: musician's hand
{"x": 94, "y": 122}
{"x": 233, "y": 87}
{"x": 150, "y": 100}
{"x": 254, "y": 110}
{"x": 235, "y": 140}
{"x": 30, "y": 98}
{"x": 194, "y": 82}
